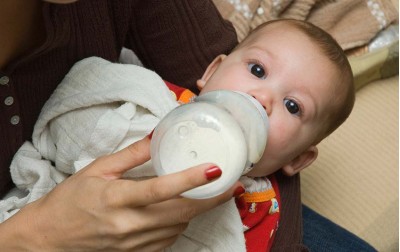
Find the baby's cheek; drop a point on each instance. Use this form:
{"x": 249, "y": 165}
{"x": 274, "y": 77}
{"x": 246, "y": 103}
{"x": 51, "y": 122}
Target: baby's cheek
{"x": 278, "y": 136}
{"x": 264, "y": 167}
{"x": 278, "y": 144}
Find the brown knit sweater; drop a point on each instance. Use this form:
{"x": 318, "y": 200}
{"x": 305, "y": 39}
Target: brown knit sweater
{"x": 176, "y": 38}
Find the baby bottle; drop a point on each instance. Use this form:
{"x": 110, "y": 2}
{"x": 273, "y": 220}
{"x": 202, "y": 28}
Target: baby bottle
{"x": 226, "y": 128}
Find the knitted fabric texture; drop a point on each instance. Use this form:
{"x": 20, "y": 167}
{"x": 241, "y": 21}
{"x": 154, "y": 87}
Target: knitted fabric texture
{"x": 352, "y": 23}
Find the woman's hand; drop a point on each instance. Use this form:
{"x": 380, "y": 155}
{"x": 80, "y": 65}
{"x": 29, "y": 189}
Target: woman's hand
{"x": 96, "y": 210}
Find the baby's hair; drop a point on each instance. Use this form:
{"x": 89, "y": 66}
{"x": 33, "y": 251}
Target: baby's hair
{"x": 329, "y": 47}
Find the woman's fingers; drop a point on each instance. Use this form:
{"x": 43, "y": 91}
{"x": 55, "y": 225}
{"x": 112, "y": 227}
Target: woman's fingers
{"x": 181, "y": 210}
{"x": 158, "y": 189}
{"x": 167, "y": 213}
{"x": 136, "y": 209}
{"x": 121, "y": 193}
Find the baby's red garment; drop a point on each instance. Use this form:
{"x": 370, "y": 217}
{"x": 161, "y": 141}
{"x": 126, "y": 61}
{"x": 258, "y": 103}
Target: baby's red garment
{"x": 258, "y": 210}
{"x": 260, "y": 216}
{"x": 182, "y": 95}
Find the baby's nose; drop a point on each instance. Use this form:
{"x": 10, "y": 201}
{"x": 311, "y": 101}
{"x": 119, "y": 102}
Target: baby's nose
{"x": 263, "y": 104}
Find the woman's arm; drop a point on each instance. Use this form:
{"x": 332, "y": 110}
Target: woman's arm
{"x": 96, "y": 210}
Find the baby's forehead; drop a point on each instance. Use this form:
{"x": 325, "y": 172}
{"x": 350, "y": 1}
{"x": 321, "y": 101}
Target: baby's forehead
{"x": 277, "y": 27}
{"x": 265, "y": 29}
{"x": 283, "y": 34}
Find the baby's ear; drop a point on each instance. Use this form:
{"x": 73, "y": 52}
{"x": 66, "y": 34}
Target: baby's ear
{"x": 301, "y": 161}
{"x": 210, "y": 70}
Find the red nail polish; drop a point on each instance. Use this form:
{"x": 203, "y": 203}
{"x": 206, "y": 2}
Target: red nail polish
{"x": 213, "y": 173}
{"x": 238, "y": 191}
{"x": 150, "y": 135}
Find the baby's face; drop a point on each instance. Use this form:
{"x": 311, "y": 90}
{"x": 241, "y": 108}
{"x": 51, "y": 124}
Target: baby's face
{"x": 291, "y": 78}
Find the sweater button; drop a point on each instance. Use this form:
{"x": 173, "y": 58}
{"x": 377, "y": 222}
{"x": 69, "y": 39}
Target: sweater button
{"x": 4, "y": 80}
{"x": 14, "y": 120}
{"x": 9, "y": 101}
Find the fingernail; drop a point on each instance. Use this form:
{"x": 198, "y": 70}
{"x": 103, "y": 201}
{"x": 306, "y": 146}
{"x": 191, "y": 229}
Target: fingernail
{"x": 213, "y": 173}
{"x": 150, "y": 135}
{"x": 238, "y": 191}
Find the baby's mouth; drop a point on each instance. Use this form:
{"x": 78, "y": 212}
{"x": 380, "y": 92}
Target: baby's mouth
{"x": 248, "y": 168}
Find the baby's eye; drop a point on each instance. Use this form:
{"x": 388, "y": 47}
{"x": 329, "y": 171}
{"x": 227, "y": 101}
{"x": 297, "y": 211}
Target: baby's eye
{"x": 292, "y": 106}
{"x": 256, "y": 70}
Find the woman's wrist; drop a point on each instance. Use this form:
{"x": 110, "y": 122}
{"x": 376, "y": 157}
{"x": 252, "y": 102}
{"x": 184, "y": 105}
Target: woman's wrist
{"x": 17, "y": 233}
{"x": 10, "y": 237}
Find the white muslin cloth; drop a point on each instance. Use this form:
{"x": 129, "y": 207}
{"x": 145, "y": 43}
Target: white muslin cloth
{"x": 99, "y": 108}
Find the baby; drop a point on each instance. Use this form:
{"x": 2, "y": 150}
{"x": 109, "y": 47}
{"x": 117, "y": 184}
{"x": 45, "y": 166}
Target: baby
{"x": 297, "y": 72}
{"x": 302, "y": 78}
